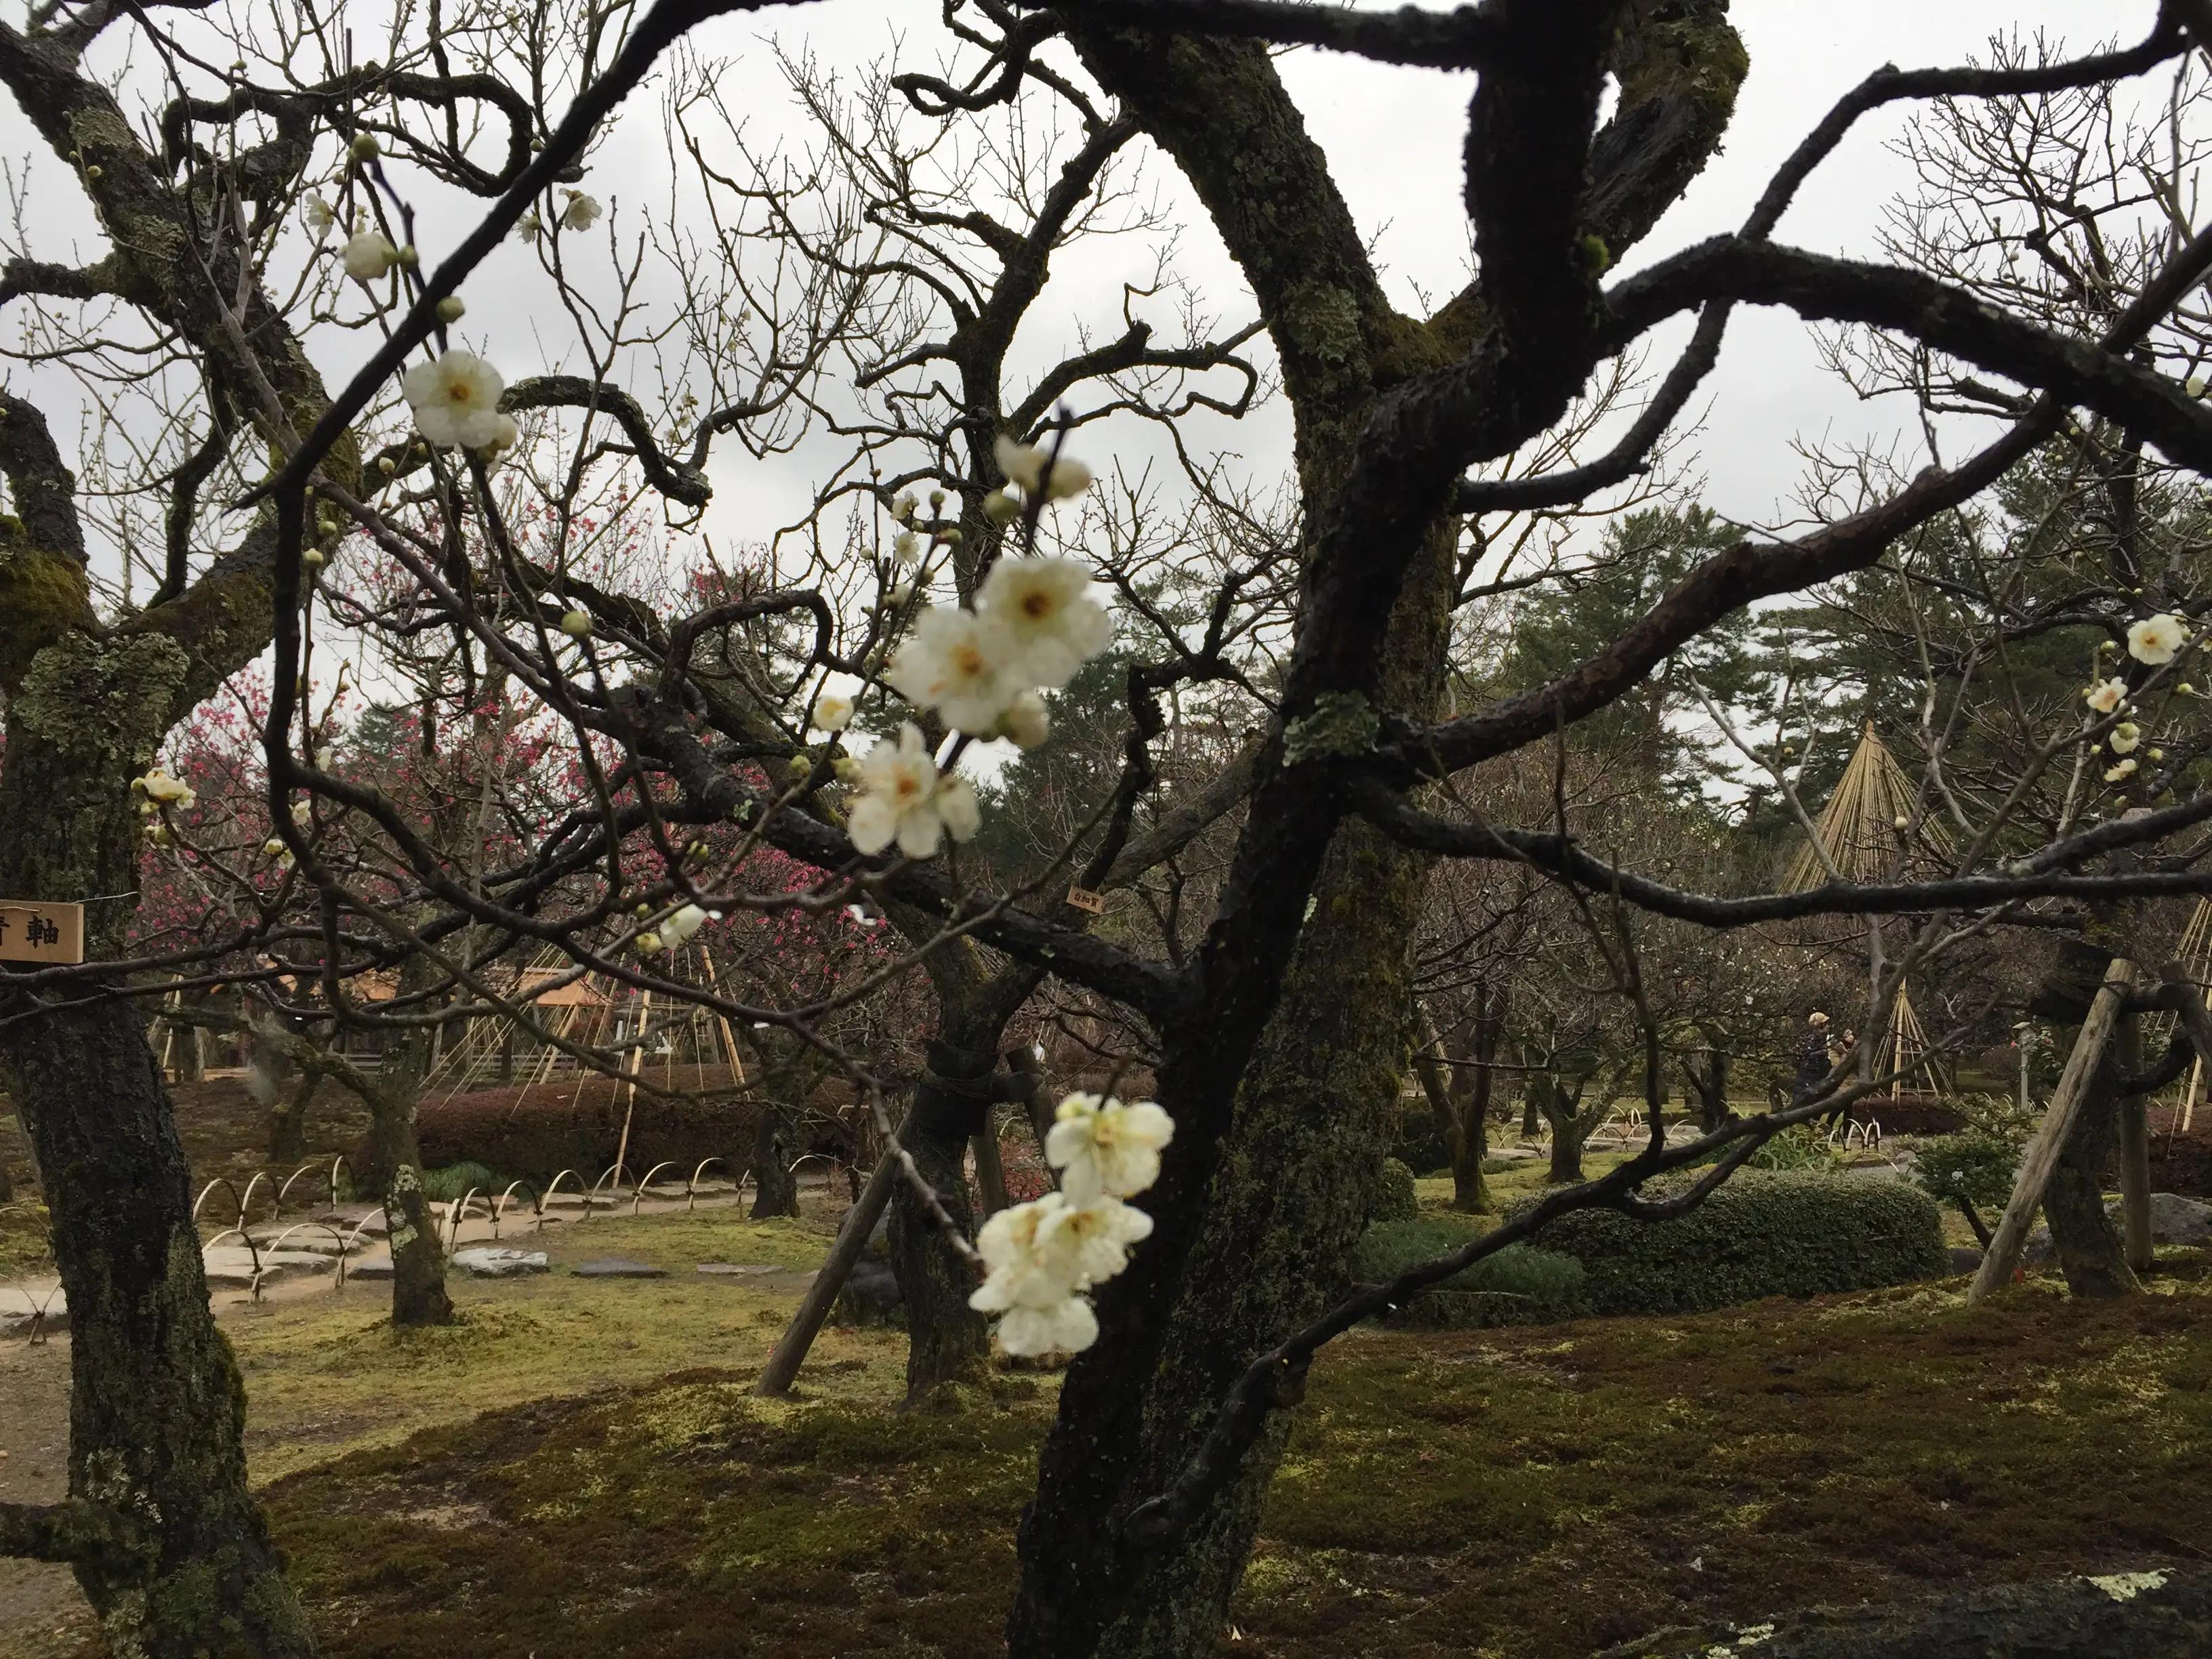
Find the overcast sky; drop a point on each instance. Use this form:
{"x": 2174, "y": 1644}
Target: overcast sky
{"x": 1394, "y": 135}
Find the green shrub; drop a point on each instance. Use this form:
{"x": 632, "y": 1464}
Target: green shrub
{"x": 1976, "y": 1166}
{"x": 1395, "y": 1199}
{"x": 1519, "y": 1286}
{"x": 1759, "y": 1236}
{"x": 455, "y": 1180}
{"x": 1805, "y": 1147}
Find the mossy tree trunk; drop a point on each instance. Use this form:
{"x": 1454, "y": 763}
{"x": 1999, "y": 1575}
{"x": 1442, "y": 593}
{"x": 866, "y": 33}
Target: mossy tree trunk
{"x": 1706, "y": 1074}
{"x": 419, "y": 1296}
{"x": 948, "y": 1341}
{"x": 288, "y": 1123}
{"x": 776, "y": 1188}
{"x": 168, "y": 1544}
{"x": 2091, "y": 1253}
{"x": 1256, "y": 1213}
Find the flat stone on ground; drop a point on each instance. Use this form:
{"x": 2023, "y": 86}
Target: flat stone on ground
{"x": 488, "y": 1263}
{"x": 746, "y": 1268}
{"x": 371, "y": 1270}
{"x": 615, "y": 1267}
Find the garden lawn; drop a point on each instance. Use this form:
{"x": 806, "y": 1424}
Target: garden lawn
{"x": 1542, "y": 1492}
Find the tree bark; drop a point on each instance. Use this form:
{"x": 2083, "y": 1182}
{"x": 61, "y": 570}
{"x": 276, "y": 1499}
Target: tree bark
{"x": 948, "y": 1341}
{"x": 287, "y": 1124}
{"x": 419, "y": 1296}
{"x": 157, "y": 1407}
{"x": 2090, "y": 1251}
{"x": 775, "y": 1189}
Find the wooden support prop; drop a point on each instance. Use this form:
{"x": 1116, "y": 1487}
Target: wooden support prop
{"x": 782, "y": 1367}
{"x": 2134, "y": 1180}
{"x": 990, "y": 1169}
{"x": 2041, "y": 1158}
{"x": 636, "y": 1062}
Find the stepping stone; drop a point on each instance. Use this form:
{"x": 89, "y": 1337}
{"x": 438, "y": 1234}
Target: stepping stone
{"x": 241, "y": 1278}
{"x": 736, "y": 1269}
{"x": 370, "y": 1270}
{"x": 500, "y": 1263}
{"x": 615, "y": 1267}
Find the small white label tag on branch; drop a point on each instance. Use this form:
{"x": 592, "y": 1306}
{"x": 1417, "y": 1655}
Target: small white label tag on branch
{"x": 1083, "y": 899}
{"x": 50, "y": 934}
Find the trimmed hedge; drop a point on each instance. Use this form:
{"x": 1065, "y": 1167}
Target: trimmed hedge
{"x": 1519, "y": 1286}
{"x": 1758, "y": 1235}
{"x": 1975, "y": 1166}
{"x": 1395, "y": 1197}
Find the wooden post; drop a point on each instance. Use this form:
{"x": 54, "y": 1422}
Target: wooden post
{"x": 990, "y": 1171}
{"x": 729, "y": 1037}
{"x": 636, "y": 1062}
{"x": 776, "y": 1377}
{"x": 2041, "y": 1156}
{"x": 2135, "y": 1180}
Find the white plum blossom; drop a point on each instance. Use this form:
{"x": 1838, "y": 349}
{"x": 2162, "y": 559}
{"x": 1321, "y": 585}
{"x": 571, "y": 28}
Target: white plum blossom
{"x": 832, "y": 713}
{"x": 1067, "y": 1327}
{"x": 2105, "y": 695}
{"x": 2119, "y": 773}
{"x": 367, "y": 256}
{"x": 959, "y": 664}
{"x": 2154, "y": 640}
{"x": 1040, "y": 1257}
{"x": 1105, "y": 1148}
{"x": 956, "y": 805}
{"x": 688, "y": 919}
{"x": 506, "y": 432}
{"x": 1027, "y": 722}
{"x": 906, "y": 547}
{"x": 2125, "y": 736}
{"x": 319, "y": 216}
{"x": 163, "y": 790}
{"x": 898, "y": 799}
{"x": 455, "y": 399}
{"x": 580, "y": 212}
{"x": 530, "y": 227}
{"x": 904, "y": 508}
{"x": 1045, "y": 608}
{"x": 1026, "y": 466}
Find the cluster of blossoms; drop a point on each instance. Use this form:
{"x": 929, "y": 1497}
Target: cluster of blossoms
{"x": 1036, "y": 621}
{"x": 2155, "y": 641}
{"x": 1044, "y": 1254}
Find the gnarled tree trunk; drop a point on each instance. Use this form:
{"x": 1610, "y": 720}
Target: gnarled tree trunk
{"x": 168, "y": 1544}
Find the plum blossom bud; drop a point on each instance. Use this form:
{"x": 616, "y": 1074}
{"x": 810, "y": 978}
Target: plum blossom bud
{"x": 451, "y": 310}
{"x": 577, "y": 625}
{"x": 1027, "y": 723}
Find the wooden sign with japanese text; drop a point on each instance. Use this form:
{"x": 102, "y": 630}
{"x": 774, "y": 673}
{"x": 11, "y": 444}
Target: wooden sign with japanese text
{"x": 1083, "y": 899}
{"x": 48, "y": 934}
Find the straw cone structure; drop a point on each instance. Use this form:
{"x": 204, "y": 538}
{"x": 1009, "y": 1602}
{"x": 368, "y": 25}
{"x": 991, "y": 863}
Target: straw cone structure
{"x": 1857, "y": 829}
{"x": 591, "y": 1011}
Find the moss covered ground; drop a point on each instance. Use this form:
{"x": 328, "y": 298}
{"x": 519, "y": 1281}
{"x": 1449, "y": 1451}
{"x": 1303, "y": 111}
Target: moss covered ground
{"x": 1522, "y": 1494}
{"x": 578, "y": 1467}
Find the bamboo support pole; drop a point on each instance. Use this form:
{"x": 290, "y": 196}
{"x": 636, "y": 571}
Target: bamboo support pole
{"x": 2041, "y": 1159}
